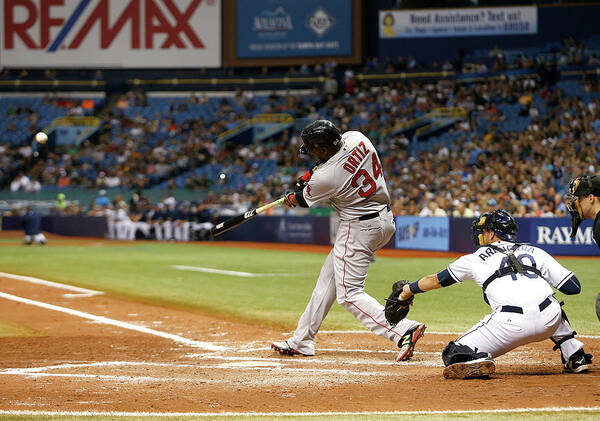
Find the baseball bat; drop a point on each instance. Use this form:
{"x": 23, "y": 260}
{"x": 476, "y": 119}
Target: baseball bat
{"x": 240, "y": 219}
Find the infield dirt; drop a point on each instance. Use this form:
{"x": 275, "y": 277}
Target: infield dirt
{"x": 81, "y": 365}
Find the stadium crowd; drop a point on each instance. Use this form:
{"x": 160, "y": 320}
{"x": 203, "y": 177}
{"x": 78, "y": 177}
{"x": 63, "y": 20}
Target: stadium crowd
{"x": 521, "y": 141}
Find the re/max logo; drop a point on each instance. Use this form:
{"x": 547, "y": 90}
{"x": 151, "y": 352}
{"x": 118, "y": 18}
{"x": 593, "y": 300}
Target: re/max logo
{"x": 143, "y": 20}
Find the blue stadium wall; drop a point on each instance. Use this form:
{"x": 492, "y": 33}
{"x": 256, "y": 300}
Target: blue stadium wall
{"x": 412, "y": 232}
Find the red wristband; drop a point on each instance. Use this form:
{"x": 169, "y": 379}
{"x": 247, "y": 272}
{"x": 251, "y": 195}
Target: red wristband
{"x": 306, "y": 176}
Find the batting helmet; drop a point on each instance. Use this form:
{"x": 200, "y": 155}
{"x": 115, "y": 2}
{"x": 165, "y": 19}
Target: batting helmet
{"x": 499, "y": 221}
{"x": 319, "y": 132}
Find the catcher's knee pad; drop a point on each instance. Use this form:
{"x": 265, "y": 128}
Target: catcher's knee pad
{"x": 457, "y": 353}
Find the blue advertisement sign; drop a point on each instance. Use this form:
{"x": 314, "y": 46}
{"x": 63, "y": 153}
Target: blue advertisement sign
{"x": 291, "y": 28}
{"x": 414, "y": 232}
{"x": 282, "y": 229}
{"x": 553, "y": 236}
{"x": 471, "y": 22}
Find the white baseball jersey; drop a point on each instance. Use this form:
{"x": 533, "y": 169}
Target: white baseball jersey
{"x": 512, "y": 289}
{"x": 352, "y": 179}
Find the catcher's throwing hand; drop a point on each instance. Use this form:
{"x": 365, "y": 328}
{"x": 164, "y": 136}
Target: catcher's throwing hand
{"x": 398, "y": 304}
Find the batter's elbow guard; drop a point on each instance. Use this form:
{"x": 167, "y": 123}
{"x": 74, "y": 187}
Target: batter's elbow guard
{"x": 300, "y": 199}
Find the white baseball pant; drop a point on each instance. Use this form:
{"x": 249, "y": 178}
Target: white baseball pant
{"x": 182, "y": 231}
{"x": 502, "y": 331}
{"x": 158, "y": 231}
{"x": 167, "y": 230}
{"x": 343, "y": 277}
{"x": 144, "y": 227}
{"x": 125, "y": 230}
{"x": 38, "y": 238}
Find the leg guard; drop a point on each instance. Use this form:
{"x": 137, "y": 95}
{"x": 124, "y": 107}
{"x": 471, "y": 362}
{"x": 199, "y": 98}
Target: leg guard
{"x": 564, "y": 339}
{"x": 558, "y": 343}
{"x": 457, "y": 353}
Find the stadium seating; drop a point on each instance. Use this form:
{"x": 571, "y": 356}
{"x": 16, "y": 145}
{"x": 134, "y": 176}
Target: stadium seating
{"x": 21, "y": 123}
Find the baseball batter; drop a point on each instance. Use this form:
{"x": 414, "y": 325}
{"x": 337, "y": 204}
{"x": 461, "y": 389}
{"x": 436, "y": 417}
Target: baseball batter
{"x": 350, "y": 176}
{"x": 516, "y": 279}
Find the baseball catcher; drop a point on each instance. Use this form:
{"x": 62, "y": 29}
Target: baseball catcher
{"x": 516, "y": 280}
{"x": 395, "y": 308}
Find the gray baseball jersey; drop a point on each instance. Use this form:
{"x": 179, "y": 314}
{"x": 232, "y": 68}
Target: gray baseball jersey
{"x": 352, "y": 179}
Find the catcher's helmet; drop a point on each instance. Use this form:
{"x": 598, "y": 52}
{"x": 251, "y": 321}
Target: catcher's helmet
{"x": 319, "y": 132}
{"x": 499, "y": 221}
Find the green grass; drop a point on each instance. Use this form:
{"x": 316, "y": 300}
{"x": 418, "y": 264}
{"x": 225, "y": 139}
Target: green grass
{"x": 144, "y": 272}
{"x": 15, "y": 330}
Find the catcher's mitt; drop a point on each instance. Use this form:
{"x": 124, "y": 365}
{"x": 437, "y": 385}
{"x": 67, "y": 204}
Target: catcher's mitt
{"x": 396, "y": 309}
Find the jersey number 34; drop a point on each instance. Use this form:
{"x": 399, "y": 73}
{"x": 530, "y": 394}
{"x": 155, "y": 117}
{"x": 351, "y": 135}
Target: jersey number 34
{"x": 368, "y": 183}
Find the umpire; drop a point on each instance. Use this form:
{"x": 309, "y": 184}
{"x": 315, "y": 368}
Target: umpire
{"x": 32, "y": 221}
{"x": 583, "y": 202}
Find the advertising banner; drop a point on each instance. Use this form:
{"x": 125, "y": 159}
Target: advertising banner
{"x": 110, "y": 33}
{"x": 457, "y": 22}
{"x": 414, "y": 232}
{"x": 282, "y": 229}
{"x": 291, "y": 28}
{"x": 553, "y": 236}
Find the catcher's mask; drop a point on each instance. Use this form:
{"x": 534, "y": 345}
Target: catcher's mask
{"x": 319, "y": 132}
{"x": 579, "y": 186}
{"x": 499, "y": 221}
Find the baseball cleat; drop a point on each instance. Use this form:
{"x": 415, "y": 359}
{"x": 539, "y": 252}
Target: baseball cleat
{"x": 578, "y": 363}
{"x": 408, "y": 341}
{"x": 284, "y": 348}
{"x": 481, "y": 367}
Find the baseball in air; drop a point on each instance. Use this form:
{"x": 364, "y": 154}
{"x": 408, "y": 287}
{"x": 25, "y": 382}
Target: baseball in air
{"x": 41, "y": 137}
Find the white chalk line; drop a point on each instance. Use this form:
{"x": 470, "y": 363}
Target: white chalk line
{"x": 231, "y": 272}
{"x": 317, "y": 361}
{"x": 96, "y": 364}
{"x": 82, "y": 292}
{"x": 274, "y": 366}
{"x": 368, "y": 351}
{"x": 298, "y": 414}
{"x": 427, "y": 332}
{"x": 105, "y": 320}
{"x": 345, "y": 350}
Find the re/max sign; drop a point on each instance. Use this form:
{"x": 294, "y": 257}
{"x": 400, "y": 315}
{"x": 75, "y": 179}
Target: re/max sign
{"x": 48, "y": 25}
